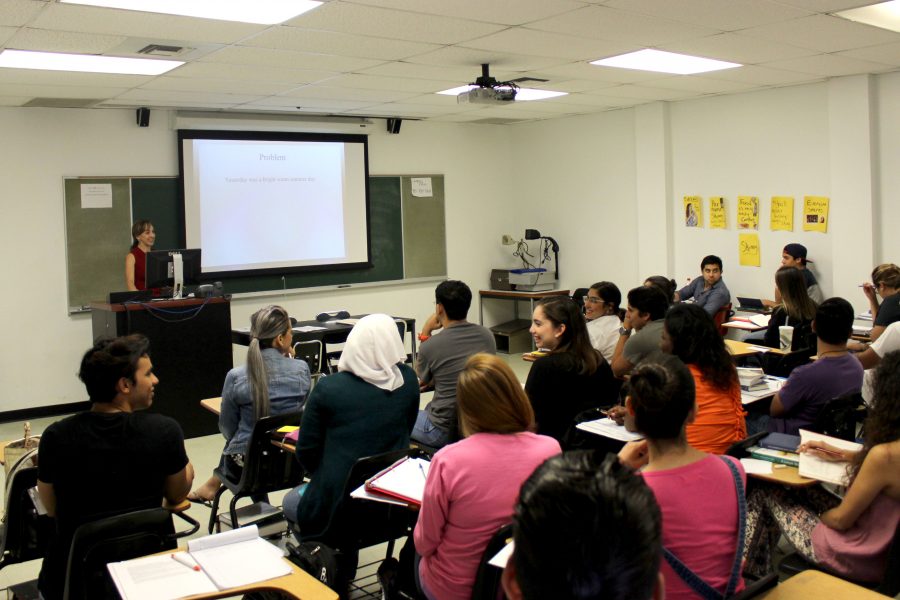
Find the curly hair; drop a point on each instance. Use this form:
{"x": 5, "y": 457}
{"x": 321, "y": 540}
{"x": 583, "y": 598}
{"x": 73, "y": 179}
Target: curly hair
{"x": 696, "y": 341}
{"x": 883, "y": 422}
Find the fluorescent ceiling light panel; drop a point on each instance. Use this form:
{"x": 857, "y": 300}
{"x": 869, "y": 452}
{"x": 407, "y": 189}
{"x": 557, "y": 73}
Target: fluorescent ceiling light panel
{"x": 664, "y": 62}
{"x": 524, "y": 94}
{"x": 885, "y": 15}
{"x": 85, "y": 63}
{"x": 263, "y": 12}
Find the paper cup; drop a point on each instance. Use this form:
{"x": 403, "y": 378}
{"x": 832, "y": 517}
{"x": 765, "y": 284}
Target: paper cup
{"x": 785, "y": 337}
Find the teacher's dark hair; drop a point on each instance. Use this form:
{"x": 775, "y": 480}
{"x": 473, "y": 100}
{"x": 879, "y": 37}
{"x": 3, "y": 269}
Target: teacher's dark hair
{"x": 108, "y": 361}
{"x": 138, "y": 228}
{"x": 586, "y": 527}
{"x": 265, "y": 325}
{"x": 696, "y": 341}
{"x": 562, "y": 310}
{"x": 662, "y": 393}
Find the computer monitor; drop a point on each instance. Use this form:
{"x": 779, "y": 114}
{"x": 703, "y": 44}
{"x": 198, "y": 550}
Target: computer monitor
{"x": 173, "y": 268}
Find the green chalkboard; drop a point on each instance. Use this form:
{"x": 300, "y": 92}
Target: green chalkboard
{"x": 407, "y": 236}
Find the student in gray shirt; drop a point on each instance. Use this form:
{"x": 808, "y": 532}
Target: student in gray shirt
{"x": 441, "y": 359}
{"x": 647, "y": 306}
{"x": 709, "y": 292}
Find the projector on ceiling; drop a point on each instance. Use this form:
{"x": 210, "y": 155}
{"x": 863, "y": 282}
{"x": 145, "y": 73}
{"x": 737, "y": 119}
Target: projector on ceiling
{"x": 487, "y": 95}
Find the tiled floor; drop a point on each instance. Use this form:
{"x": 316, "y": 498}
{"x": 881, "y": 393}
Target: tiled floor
{"x": 204, "y": 453}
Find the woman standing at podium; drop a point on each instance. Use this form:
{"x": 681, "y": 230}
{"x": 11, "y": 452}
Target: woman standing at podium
{"x": 136, "y": 260}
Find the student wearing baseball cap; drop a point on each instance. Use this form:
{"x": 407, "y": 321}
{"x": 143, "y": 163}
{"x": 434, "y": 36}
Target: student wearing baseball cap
{"x": 794, "y": 255}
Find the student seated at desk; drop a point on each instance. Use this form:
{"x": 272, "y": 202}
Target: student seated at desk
{"x": 271, "y": 383}
{"x": 870, "y": 355}
{"x": 647, "y": 306}
{"x": 472, "y": 485}
{"x": 367, "y": 408}
{"x": 691, "y": 335}
{"x": 573, "y": 376}
{"x": 849, "y": 537}
{"x": 796, "y": 310}
{"x": 698, "y": 494}
{"x": 794, "y": 256}
{"x": 601, "y": 309}
{"x": 585, "y": 527}
{"x": 709, "y": 291}
{"x": 115, "y": 458}
{"x": 835, "y": 373}
{"x": 664, "y": 284}
{"x": 885, "y": 283}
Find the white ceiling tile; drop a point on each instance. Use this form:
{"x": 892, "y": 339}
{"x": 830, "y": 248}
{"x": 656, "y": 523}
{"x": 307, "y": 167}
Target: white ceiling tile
{"x": 507, "y": 12}
{"x": 543, "y": 43}
{"x": 186, "y": 104}
{"x": 6, "y": 33}
{"x": 37, "y": 90}
{"x": 589, "y": 72}
{"x": 154, "y": 96}
{"x": 45, "y": 40}
{"x": 327, "y": 93}
{"x": 603, "y": 23}
{"x": 14, "y": 100}
{"x": 34, "y": 76}
{"x": 888, "y": 54}
{"x": 598, "y": 100}
{"x": 755, "y": 75}
{"x": 342, "y": 44}
{"x": 412, "y": 110}
{"x": 826, "y": 6}
{"x": 829, "y": 65}
{"x": 823, "y": 33}
{"x": 644, "y": 92}
{"x": 311, "y": 104}
{"x": 463, "y": 74}
{"x": 472, "y": 58}
{"x": 393, "y": 24}
{"x": 16, "y": 13}
{"x": 735, "y": 47}
{"x": 699, "y": 85}
{"x": 567, "y": 85}
{"x": 369, "y": 82}
{"x": 267, "y": 57}
{"x": 90, "y": 19}
{"x": 727, "y": 16}
{"x": 202, "y": 70}
{"x": 517, "y": 110}
{"x": 220, "y": 86}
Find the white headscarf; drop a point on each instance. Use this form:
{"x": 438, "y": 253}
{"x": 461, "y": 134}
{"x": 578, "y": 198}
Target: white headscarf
{"x": 373, "y": 350}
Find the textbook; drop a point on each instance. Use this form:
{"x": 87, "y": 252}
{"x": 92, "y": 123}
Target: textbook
{"x": 825, "y": 470}
{"x": 780, "y": 441}
{"x": 751, "y": 379}
{"x": 404, "y": 480}
{"x": 210, "y": 564}
{"x": 792, "y": 459}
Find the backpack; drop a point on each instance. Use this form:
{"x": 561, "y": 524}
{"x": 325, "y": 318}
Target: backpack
{"x": 317, "y": 559}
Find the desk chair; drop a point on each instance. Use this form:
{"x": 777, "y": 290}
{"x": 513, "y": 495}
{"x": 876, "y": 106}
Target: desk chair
{"x": 723, "y": 315}
{"x": 23, "y": 533}
{"x": 755, "y": 588}
{"x": 356, "y": 524}
{"x": 578, "y": 297}
{"x": 312, "y": 352}
{"x": 334, "y": 338}
{"x": 267, "y": 468}
{"x": 840, "y": 416}
{"x": 121, "y": 537}
{"x": 741, "y": 450}
{"x": 487, "y": 578}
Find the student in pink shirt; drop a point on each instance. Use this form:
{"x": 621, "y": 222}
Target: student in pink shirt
{"x": 473, "y": 484}
{"x": 698, "y": 493}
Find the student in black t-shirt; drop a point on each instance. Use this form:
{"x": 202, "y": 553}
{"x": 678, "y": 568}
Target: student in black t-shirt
{"x": 112, "y": 459}
{"x": 885, "y": 283}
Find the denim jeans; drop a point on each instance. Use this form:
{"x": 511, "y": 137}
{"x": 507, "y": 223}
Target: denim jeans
{"x": 428, "y": 433}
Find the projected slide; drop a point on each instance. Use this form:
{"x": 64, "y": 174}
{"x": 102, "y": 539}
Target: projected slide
{"x": 256, "y": 204}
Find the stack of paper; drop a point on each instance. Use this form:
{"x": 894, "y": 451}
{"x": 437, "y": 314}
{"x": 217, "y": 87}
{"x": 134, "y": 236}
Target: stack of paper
{"x": 824, "y": 470}
{"x": 404, "y": 480}
{"x": 211, "y": 564}
{"x": 608, "y": 428}
{"x": 751, "y": 378}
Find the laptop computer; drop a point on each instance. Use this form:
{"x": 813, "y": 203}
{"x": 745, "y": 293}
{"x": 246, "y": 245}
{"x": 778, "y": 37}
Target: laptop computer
{"x": 751, "y": 305}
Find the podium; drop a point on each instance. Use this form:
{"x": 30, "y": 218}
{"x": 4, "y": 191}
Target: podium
{"x": 190, "y": 346}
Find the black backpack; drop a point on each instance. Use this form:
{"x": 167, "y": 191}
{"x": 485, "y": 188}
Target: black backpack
{"x": 317, "y": 559}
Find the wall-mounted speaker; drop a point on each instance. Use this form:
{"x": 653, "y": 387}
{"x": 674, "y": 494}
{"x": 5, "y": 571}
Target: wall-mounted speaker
{"x": 393, "y": 125}
{"x": 143, "y": 116}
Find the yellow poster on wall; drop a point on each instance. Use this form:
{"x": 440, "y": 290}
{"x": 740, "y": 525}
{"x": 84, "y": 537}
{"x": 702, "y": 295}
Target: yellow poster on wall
{"x": 693, "y": 211}
{"x": 782, "y": 218}
{"x": 815, "y": 213}
{"x": 717, "y": 212}
{"x": 748, "y": 212}
{"x": 748, "y": 249}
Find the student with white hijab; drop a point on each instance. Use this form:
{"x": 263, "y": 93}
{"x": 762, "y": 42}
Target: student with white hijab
{"x": 368, "y": 407}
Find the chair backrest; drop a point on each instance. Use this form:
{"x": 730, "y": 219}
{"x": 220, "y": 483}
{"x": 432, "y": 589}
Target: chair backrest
{"x": 487, "y": 577}
{"x": 310, "y": 351}
{"x": 890, "y": 585}
{"x": 357, "y": 524}
{"x": 268, "y": 468}
{"x": 120, "y": 537}
{"x": 741, "y": 449}
{"x": 839, "y": 417}
{"x": 24, "y": 533}
{"x": 781, "y": 365}
{"x": 578, "y": 297}
{"x": 721, "y": 316}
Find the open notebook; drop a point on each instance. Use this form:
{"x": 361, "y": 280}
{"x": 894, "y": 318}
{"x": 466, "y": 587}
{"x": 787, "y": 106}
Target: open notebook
{"x": 210, "y": 564}
{"x": 403, "y": 480}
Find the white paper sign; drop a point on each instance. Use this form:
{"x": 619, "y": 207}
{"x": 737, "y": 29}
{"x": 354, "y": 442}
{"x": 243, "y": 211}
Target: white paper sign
{"x": 421, "y": 187}
{"x": 96, "y": 195}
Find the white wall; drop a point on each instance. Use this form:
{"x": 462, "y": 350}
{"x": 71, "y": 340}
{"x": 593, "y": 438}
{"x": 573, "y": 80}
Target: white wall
{"x": 43, "y": 345}
{"x": 887, "y": 134}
